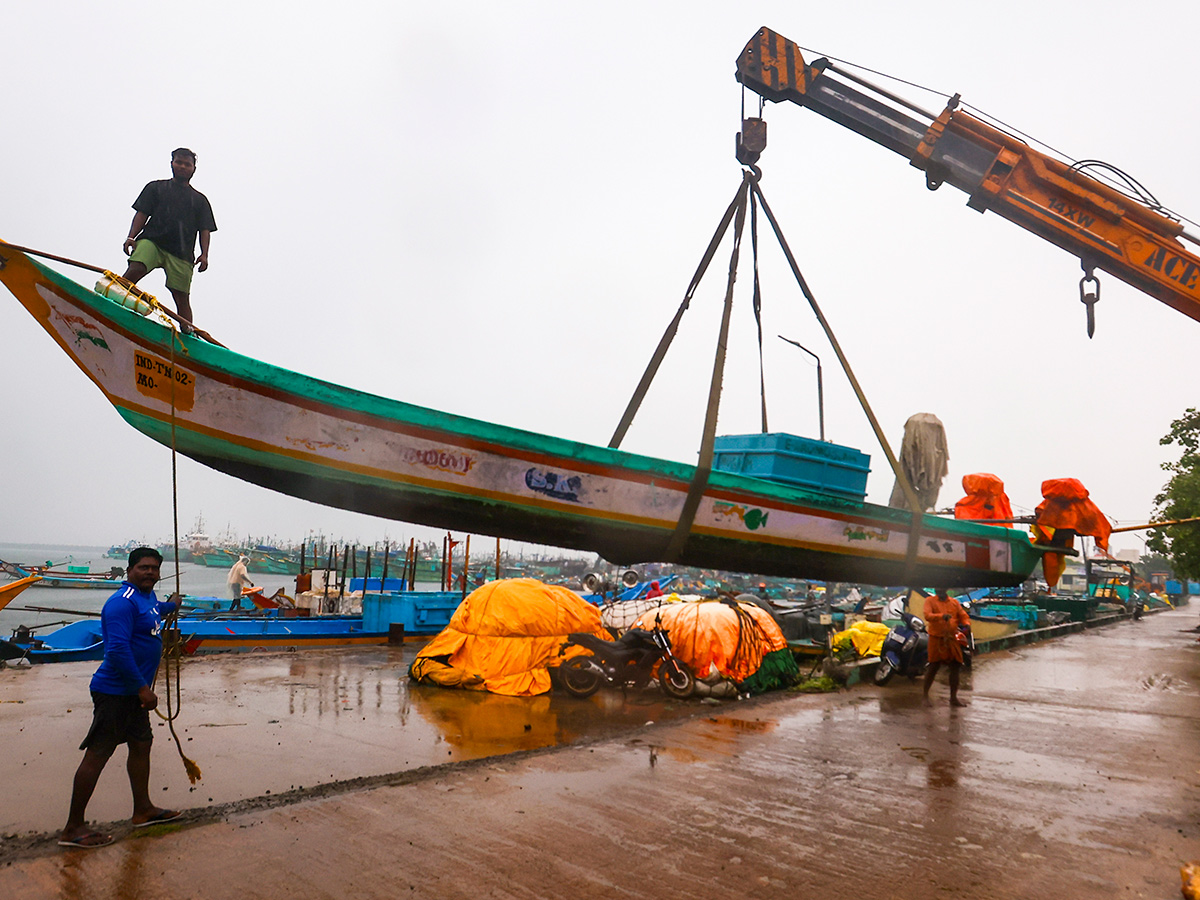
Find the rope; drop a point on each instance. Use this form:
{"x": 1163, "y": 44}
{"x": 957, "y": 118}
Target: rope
{"x": 173, "y": 652}
{"x": 128, "y": 285}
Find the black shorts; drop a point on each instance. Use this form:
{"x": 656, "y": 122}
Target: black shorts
{"x": 116, "y": 719}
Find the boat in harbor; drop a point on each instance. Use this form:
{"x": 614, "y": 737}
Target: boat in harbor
{"x": 83, "y": 640}
{"x": 357, "y": 451}
{"x": 70, "y": 577}
{"x": 122, "y": 551}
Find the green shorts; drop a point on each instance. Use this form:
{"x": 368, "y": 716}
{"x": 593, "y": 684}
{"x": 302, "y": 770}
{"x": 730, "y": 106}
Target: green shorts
{"x": 179, "y": 271}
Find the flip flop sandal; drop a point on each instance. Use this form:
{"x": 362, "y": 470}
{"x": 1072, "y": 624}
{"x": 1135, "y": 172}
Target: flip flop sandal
{"x": 89, "y": 841}
{"x": 166, "y": 815}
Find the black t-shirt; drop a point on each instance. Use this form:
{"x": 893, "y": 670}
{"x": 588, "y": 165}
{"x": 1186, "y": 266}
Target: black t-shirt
{"x": 178, "y": 212}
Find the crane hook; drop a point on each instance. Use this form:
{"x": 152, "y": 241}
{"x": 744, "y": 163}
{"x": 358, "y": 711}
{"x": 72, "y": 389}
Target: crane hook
{"x": 1089, "y": 298}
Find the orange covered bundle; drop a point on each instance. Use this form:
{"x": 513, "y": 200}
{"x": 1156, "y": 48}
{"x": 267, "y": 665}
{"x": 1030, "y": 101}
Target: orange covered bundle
{"x": 1066, "y": 507}
{"x": 985, "y": 499}
{"x": 708, "y": 634}
{"x": 503, "y": 637}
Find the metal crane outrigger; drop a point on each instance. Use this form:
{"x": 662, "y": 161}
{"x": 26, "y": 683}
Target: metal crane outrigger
{"x": 1130, "y": 237}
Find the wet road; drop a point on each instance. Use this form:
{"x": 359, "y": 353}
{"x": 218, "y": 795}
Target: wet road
{"x": 1075, "y": 772}
{"x": 262, "y": 724}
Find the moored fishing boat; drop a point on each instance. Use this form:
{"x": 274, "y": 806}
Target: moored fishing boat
{"x": 353, "y": 450}
{"x": 71, "y": 577}
{"x": 83, "y": 640}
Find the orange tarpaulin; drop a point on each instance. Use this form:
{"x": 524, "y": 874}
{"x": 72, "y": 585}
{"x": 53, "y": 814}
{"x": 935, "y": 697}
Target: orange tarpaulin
{"x": 710, "y": 633}
{"x": 503, "y": 636}
{"x": 985, "y": 499}
{"x": 1066, "y": 507}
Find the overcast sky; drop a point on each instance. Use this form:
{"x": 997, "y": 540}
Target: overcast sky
{"x": 494, "y": 209}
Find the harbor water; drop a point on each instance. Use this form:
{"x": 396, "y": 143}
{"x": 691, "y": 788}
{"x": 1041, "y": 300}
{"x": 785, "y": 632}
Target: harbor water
{"x": 194, "y": 579}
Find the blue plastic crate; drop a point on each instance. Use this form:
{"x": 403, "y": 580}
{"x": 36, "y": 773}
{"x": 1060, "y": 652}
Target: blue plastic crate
{"x": 1026, "y": 615}
{"x": 794, "y": 460}
{"x": 393, "y": 584}
{"x": 420, "y": 612}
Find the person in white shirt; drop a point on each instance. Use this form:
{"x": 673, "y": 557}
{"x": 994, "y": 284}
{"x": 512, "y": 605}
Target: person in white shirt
{"x": 238, "y": 578}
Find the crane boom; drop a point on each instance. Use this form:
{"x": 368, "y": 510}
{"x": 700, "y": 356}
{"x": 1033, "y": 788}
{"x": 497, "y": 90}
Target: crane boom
{"x": 1106, "y": 228}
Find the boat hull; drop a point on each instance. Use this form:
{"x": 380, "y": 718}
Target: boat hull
{"x": 8, "y": 592}
{"x": 267, "y": 634}
{"x": 81, "y": 641}
{"x": 356, "y": 451}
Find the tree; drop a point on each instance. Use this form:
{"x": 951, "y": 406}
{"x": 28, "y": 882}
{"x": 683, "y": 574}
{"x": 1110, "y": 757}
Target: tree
{"x": 1180, "y": 498}
{"x": 1150, "y": 563}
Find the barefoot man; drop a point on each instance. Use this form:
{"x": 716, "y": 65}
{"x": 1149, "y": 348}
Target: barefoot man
{"x": 943, "y": 616}
{"x": 168, "y": 217}
{"x": 122, "y": 698}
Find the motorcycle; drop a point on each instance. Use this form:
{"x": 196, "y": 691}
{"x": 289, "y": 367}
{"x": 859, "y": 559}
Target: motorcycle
{"x": 627, "y": 662}
{"x": 905, "y": 650}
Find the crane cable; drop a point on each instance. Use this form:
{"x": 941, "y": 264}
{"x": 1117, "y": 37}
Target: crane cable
{"x": 173, "y": 640}
{"x": 1112, "y": 176}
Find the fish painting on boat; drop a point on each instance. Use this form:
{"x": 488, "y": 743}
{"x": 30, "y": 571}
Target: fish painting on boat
{"x": 353, "y": 450}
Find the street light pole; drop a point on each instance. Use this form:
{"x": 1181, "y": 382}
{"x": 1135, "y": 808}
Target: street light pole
{"x": 820, "y": 385}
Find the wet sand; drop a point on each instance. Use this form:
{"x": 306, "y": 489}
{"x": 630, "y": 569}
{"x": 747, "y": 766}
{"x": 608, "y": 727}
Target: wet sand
{"x": 1075, "y": 772}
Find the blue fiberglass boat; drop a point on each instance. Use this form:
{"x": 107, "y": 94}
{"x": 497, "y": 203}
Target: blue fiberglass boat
{"x": 389, "y": 615}
{"x": 83, "y": 640}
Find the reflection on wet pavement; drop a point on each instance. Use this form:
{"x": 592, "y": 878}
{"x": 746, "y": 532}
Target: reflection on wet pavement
{"x": 261, "y": 724}
{"x": 1072, "y": 774}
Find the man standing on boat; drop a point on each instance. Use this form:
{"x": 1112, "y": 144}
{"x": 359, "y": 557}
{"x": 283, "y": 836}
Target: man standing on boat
{"x": 168, "y": 217}
{"x": 238, "y": 578}
{"x": 122, "y": 697}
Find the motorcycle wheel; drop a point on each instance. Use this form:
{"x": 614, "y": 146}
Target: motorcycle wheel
{"x": 676, "y": 679}
{"x": 884, "y": 672}
{"x": 578, "y": 677}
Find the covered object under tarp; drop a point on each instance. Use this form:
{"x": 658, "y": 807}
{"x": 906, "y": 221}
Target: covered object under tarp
{"x": 736, "y": 639}
{"x": 503, "y": 637}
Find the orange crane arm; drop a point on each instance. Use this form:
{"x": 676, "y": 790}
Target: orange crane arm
{"x": 1106, "y": 228}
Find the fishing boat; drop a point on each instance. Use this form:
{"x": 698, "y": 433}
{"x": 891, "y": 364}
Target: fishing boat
{"x": 71, "y": 577}
{"x": 357, "y": 451}
{"x": 83, "y": 640}
{"x": 122, "y": 551}
{"x": 985, "y": 626}
{"x": 76, "y": 642}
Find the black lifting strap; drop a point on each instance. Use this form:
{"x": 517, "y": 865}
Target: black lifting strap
{"x": 664, "y": 343}
{"x": 704, "y": 466}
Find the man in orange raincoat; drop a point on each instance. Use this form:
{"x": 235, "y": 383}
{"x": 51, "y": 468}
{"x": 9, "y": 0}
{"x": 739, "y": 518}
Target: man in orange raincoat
{"x": 943, "y": 618}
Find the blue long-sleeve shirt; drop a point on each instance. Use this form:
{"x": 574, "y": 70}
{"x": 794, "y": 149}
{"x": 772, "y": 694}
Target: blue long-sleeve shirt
{"x": 131, "y": 623}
